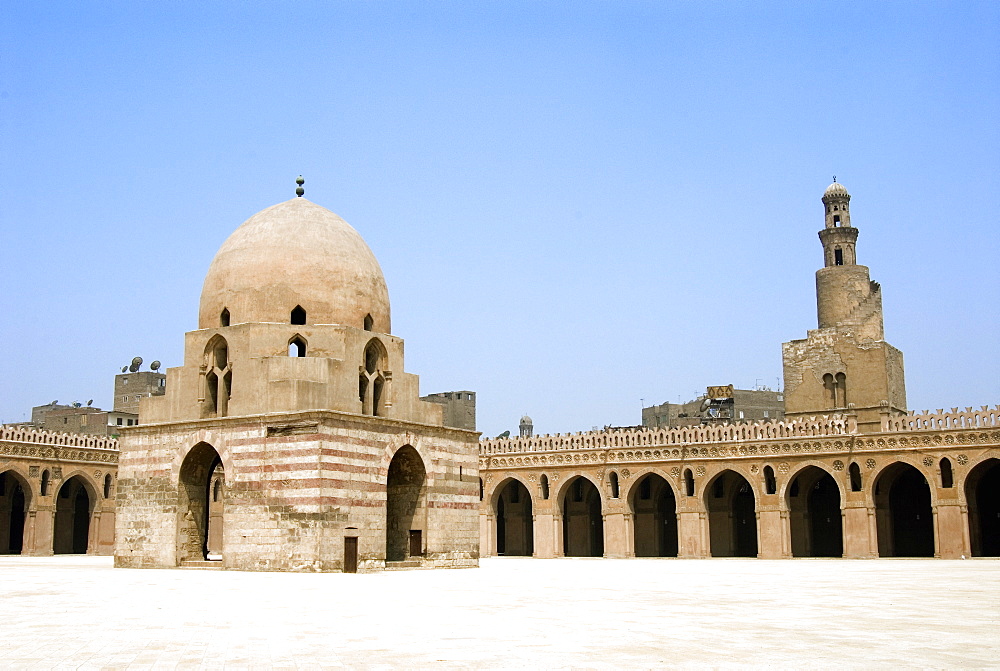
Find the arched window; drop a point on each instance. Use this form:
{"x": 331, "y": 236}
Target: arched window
{"x": 831, "y": 390}
{"x": 947, "y": 479}
{"x": 614, "y": 485}
{"x": 369, "y": 323}
{"x": 841, "y": 390}
{"x": 298, "y": 315}
{"x": 838, "y": 256}
{"x": 545, "y": 486}
{"x": 770, "y": 486}
{"x": 217, "y": 490}
{"x": 218, "y": 385}
{"x": 688, "y": 482}
{"x": 854, "y": 471}
{"x": 481, "y": 492}
{"x": 224, "y": 317}
{"x": 45, "y": 482}
{"x": 107, "y": 486}
{"x": 297, "y": 346}
{"x": 373, "y": 380}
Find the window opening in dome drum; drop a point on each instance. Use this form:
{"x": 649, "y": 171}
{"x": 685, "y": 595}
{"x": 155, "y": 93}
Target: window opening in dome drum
{"x": 298, "y": 315}
{"x": 369, "y": 322}
{"x": 224, "y": 317}
{"x": 297, "y": 347}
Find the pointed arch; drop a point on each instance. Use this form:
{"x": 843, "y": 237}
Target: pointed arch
{"x": 653, "y": 504}
{"x": 406, "y": 505}
{"x": 217, "y": 378}
{"x": 296, "y": 346}
{"x": 732, "y": 519}
{"x": 297, "y": 316}
{"x": 815, "y": 513}
{"x": 75, "y": 501}
{"x": 200, "y": 467}
{"x": 514, "y": 514}
{"x": 982, "y": 494}
{"x": 15, "y": 501}
{"x": 904, "y": 516}
{"x": 582, "y": 518}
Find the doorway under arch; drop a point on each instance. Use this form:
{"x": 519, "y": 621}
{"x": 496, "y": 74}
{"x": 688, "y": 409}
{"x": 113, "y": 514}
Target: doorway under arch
{"x": 199, "y": 532}
{"x": 814, "y": 514}
{"x": 903, "y": 517}
{"x": 732, "y": 516}
{"x": 405, "y": 505}
{"x": 14, "y": 499}
{"x": 582, "y": 521}
{"x": 654, "y": 517}
{"x": 74, "y": 504}
{"x": 515, "y": 526}
{"x": 982, "y": 493}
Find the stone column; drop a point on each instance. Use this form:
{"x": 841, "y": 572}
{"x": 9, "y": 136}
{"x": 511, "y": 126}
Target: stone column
{"x": 615, "y": 536}
{"x": 769, "y": 533}
{"x": 43, "y": 529}
{"x": 690, "y": 535}
{"x": 487, "y": 535}
{"x": 948, "y": 531}
{"x": 857, "y": 531}
{"x": 544, "y": 536}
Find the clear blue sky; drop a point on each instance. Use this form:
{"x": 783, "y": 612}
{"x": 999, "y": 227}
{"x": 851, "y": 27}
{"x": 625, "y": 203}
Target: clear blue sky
{"x": 576, "y": 205}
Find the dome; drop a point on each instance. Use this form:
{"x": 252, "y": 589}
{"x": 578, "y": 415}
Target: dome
{"x": 295, "y": 253}
{"x": 836, "y": 190}
{"x": 525, "y": 420}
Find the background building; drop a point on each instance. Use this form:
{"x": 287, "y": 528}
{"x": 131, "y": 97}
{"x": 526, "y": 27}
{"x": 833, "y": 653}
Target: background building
{"x": 459, "y": 408}
{"x": 718, "y": 405}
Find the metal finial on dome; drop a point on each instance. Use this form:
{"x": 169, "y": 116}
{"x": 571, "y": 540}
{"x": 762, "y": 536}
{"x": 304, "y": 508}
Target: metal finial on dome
{"x": 835, "y": 178}
{"x": 299, "y": 191}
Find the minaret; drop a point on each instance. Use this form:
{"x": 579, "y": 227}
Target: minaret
{"x": 844, "y": 365}
{"x": 845, "y": 293}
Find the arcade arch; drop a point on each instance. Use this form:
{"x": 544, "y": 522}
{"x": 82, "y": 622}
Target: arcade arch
{"x": 732, "y": 518}
{"x": 654, "y": 517}
{"x": 74, "y": 504}
{"x": 582, "y": 520}
{"x": 406, "y": 505}
{"x": 814, "y": 514}
{"x": 15, "y": 498}
{"x": 904, "y": 519}
{"x": 514, "y": 520}
{"x": 982, "y": 493}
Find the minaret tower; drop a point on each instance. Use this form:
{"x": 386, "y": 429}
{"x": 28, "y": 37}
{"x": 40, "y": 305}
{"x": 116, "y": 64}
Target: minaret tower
{"x": 845, "y": 365}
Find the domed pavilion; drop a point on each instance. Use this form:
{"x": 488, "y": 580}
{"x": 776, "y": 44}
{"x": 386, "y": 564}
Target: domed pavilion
{"x": 291, "y": 439}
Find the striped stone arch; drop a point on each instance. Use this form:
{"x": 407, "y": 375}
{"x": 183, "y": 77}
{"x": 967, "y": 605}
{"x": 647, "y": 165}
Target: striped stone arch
{"x": 209, "y": 437}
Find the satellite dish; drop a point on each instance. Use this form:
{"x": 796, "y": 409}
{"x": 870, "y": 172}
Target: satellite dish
{"x": 90, "y": 403}
{"x": 136, "y": 362}
{"x": 155, "y": 365}
{"x": 55, "y": 402}
{"x": 124, "y": 368}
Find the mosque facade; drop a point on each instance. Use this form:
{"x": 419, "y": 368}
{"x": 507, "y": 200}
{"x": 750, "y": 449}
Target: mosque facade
{"x": 849, "y": 472}
{"x": 291, "y": 438}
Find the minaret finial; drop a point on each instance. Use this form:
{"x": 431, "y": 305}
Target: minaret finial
{"x": 299, "y": 191}
{"x": 834, "y": 178}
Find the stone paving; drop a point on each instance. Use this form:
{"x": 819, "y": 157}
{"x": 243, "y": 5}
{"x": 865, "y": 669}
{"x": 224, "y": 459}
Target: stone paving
{"x": 79, "y": 612}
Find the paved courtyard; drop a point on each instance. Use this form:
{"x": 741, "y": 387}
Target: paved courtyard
{"x": 79, "y": 612}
